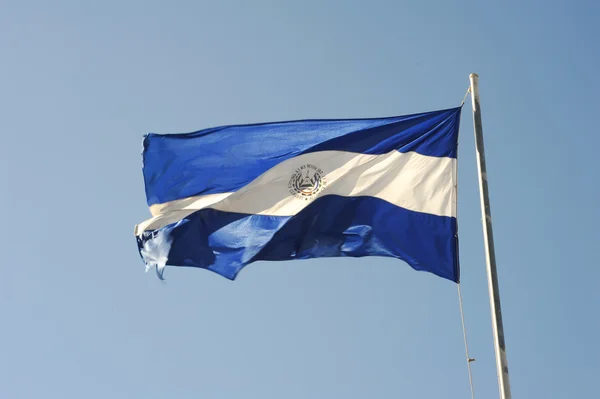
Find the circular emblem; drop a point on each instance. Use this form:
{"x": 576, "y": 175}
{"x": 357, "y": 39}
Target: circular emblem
{"x": 307, "y": 181}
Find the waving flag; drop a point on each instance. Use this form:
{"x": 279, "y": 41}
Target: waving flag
{"x": 225, "y": 197}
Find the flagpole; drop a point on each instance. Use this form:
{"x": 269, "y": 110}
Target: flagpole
{"x": 490, "y": 254}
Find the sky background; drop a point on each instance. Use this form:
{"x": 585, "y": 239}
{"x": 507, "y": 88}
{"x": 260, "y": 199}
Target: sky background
{"x": 81, "y": 82}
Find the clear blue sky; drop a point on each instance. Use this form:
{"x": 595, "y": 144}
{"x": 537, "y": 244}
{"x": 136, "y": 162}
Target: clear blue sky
{"x": 83, "y": 81}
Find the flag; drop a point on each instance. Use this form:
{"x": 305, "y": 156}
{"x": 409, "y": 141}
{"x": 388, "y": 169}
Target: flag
{"x": 224, "y": 197}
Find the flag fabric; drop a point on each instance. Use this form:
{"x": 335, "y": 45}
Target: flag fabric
{"x": 224, "y": 197}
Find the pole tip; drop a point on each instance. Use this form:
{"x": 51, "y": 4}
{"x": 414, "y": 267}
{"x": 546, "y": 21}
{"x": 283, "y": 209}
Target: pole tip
{"x": 473, "y": 75}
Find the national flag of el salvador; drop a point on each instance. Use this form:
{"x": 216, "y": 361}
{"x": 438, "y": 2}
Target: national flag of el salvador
{"x": 222, "y": 198}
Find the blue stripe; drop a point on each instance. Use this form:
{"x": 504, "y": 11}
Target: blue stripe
{"x": 332, "y": 226}
{"x": 224, "y": 159}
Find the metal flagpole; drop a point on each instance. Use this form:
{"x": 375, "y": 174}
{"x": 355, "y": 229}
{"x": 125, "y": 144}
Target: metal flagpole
{"x": 490, "y": 255}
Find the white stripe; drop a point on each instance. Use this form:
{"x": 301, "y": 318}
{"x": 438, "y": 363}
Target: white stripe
{"x": 409, "y": 180}
{"x": 172, "y": 211}
{"x": 192, "y": 203}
